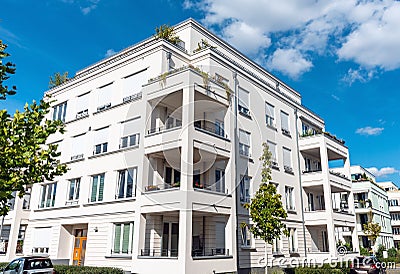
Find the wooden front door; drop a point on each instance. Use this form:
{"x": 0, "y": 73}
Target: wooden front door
{"x": 79, "y": 250}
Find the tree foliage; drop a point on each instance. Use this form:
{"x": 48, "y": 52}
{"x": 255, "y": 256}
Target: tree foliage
{"x": 25, "y": 158}
{"x": 372, "y": 230}
{"x": 58, "y": 79}
{"x": 168, "y": 33}
{"x": 266, "y": 209}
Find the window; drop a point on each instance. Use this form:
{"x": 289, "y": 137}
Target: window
{"x": 127, "y": 183}
{"x": 97, "y": 188}
{"x": 287, "y": 160}
{"x": 4, "y": 238}
{"x": 276, "y": 246}
{"x": 272, "y": 149}
{"x": 59, "y": 112}
{"x": 396, "y": 230}
{"x": 41, "y": 240}
{"x": 104, "y": 99}
{"x": 172, "y": 177}
{"x": 133, "y": 86}
{"x": 78, "y": 147}
{"x": 246, "y": 236}
{"x": 244, "y": 102}
{"x": 100, "y": 141}
{"x": 123, "y": 238}
{"x": 285, "y": 123}
{"x": 393, "y": 202}
{"x": 82, "y": 105}
{"x": 245, "y": 189}
{"x": 292, "y": 240}
{"x": 219, "y": 128}
{"x": 220, "y": 180}
{"x": 129, "y": 134}
{"x": 244, "y": 143}
{"x": 48, "y": 195}
{"x": 21, "y": 238}
{"x": 74, "y": 187}
{"x": 307, "y": 130}
{"x": 270, "y": 115}
{"x": 289, "y": 197}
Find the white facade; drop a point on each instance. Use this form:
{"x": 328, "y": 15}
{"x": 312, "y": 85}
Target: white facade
{"x": 371, "y": 204}
{"x": 161, "y": 160}
{"x": 393, "y": 194}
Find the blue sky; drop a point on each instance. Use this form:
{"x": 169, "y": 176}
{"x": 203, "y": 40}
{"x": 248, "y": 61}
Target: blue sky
{"x": 342, "y": 56}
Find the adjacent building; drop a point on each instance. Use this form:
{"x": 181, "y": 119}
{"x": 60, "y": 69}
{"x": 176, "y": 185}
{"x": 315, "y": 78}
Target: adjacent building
{"x": 393, "y": 193}
{"x": 371, "y": 204}
{"x": 163, "y": 144}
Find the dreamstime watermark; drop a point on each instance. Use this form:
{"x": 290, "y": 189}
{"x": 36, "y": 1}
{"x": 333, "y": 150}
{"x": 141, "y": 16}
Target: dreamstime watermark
{"x": 333, "y": 262}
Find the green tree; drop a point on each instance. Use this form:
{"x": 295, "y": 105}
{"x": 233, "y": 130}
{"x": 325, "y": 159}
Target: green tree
{"x": 25, "y": 158}
{"x": 372, "y": 231}
{"x": 266, "y": 208}
{"x": 58, "y": 79}
{"x": 168, "y": 33}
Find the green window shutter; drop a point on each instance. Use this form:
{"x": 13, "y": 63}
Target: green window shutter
{"x": 94, "y": 189}
{"x": 132, "y": 237}
{"x": 117, "y": 238}
{"x": 125, "y": 239}
{"x": 101, "y": 187}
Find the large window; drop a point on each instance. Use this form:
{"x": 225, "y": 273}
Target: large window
{"x": 270, "y": 115}
{"x": 104, "y": 99}
{"x": 59, "y": 111}
{"x": 133, "y": 85}
{"x": 245, "y": 189}
{"x": 293, "y": 240}
{"x": 73, "y": 193}
{"x": 244, "y": 143}
{"x": 246, "y": 236}
{"x": 172, "y": 177}
{"x": 41, "y": 240}
{"x": 21, "y": 238}
{"x": 100, "y": 140}
{"x": 287, "y": 160}
{"x": 123, "y": 238}
{"x": 285, "y": 123}
{"x": 244, "y": 106}
{"x": 82, "y": 105}
{"x": 127, "y": 183}
{"x": 129, "y": 133}
{"x": 48, "y": 195}
{"x": 289, "y": 197}
{"x": 5, "y": 234}
{"x": 97, "y": 189}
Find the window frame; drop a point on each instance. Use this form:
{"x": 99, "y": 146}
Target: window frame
{"x": 122, "y": 225}
{"x": 98, "y": 187}
{"x": 133, "y": 172}
{"x": 289, "y": 198}
{"x": 60, "y": 111}
{"x": 76, "y": 191}
{"x": 46, "y": 196}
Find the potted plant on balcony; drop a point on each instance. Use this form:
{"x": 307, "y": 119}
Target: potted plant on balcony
{"x": 197, "y": 184}
{"x": 152, "y": 188}
{"x": 176, "y": 184}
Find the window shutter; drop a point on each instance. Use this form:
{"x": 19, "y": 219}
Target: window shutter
{"x": 101, "y": 136}
{"x": 42, "y": 237}
{"x": 243, "y": 98}
{"x": 130, "y": 127}
{"x": 79, "y": 144}
{"x": 104, "y": 94}
{"x": 133, "y": 83}
{"x": 244, "y": 137}
{"x": 82, "y": 102}
{"x": 117, "y": 238}
{"x": 286, "y": 157}
{"x": 285, "y": 121}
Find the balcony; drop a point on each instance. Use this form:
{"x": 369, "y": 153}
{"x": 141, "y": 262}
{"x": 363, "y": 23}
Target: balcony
{"x": 214, "y": 128}
{"x": 210, "y": 252}
{"x": 166, "y": 253}
{"x": 339, "y": 180}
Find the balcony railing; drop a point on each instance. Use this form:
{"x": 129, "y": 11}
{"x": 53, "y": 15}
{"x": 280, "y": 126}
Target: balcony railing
{"x": 338, "y": 174}
{"x": 210, "y": 252}
{"x": 311, "y": 171}
{"x": 161, "y": 186}
{"x": 210, "y": 127}
{"x": 209, "y": 187}
{"x": 159, "y": 253}
{"x": 157, "y": 130}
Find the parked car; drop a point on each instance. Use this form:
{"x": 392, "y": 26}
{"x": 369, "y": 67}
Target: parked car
{"x": 29, "y": 265}
{"x": 367, "y": 265}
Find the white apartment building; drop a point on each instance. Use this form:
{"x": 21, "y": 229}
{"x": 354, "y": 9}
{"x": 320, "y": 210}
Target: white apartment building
{"x": 161, "y": 160}
{"x": 371, "y": 204}
{"x": 393, "y": 194}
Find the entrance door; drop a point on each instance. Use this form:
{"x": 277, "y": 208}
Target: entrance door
{"x": 78, "y": 257}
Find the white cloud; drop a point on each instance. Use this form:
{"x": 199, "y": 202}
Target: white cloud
{"x": 109, "y": 52}
{"x": 86, "y": 6}
{"x": 290, "y": 62}
{"x": 361, "y": 75}
{"x": 369, "y": 130}
{"x": 337, "y": 98}
{"x": 249, "y": 39}
{"x": 364, "y": 32}
{"x": 383, "y": 172}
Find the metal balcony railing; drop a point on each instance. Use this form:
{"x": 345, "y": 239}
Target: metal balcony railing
{"x": 159, "y": 252}
{"x": 210, "y": 252}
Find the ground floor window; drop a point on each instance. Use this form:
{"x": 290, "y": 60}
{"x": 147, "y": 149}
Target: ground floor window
{"x": 123, "y": 237}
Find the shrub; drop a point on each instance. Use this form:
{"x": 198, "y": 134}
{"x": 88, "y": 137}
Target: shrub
{"x": 364, "y": 251}
{"x": 72, "y": 269}
{"x": 3, "y": 265}
{"x": 392, "y": 252}
{"x": 379, "y": 252}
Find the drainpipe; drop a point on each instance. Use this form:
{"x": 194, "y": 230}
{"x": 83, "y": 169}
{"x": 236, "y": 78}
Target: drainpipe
{"x": 235, "y": 141}
{"x": 301, "y": 186}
